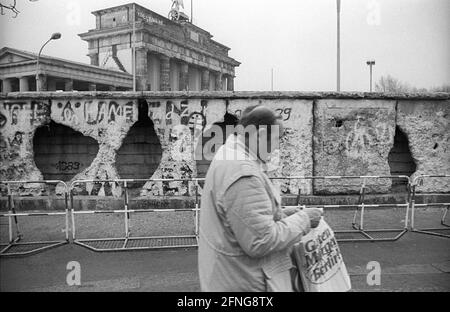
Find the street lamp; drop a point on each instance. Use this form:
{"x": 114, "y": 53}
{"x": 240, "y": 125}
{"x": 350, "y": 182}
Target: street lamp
{"x": 371, "y": 63}
{"x": 55, "y": 36}
{"x": 271, "y": 80}
{"x": 338, "y": 61}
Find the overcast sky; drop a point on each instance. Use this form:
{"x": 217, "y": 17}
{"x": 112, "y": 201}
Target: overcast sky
{"x": 409, "y": 39}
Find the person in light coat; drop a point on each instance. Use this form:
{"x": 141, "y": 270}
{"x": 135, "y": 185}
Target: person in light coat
{"x": 244, "y": 237}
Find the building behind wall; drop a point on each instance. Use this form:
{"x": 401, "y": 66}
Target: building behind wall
{"x": 18, "y": 74}
{"x": 170, "y": 55}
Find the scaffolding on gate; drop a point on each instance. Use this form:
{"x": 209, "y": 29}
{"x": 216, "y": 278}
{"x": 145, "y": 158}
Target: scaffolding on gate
{"x": 127, "y": 241}
{"x": 16, "y": 245}
{"x": 359, "y": 232}
{"x": 444, "y": 229}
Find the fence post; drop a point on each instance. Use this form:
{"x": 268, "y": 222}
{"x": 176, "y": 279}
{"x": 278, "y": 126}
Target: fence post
{"x": 196, "y": 215}
{"x": 72, "y": 211}
{"x": 127, "y": 215}
{"x": 12, "y": 215}
{"x": 413, "y": 203}
{"x": 10, "y": 212}
{"x": 363, "y": 197}
{"x": 419, "y": 181}
{"x": 66, "y": 203}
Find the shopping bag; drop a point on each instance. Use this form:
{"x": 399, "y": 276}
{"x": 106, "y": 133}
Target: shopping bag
{"x": 319, "y": 262}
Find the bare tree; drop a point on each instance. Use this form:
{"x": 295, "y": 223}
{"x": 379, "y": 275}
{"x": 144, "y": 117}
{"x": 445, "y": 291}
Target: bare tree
{"x": 10, "y": 6}
{"x": 443, "y": 88}
{"x": 391, "y": 84}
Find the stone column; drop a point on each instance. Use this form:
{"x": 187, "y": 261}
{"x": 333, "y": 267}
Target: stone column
{"x": 219, "y": 82}
{"x": 141, "y": 69}
{"x": 7, "y": 85}
{"x": 68, "y": 85}
{"x": 23, "y": 84}
{"x": 98, "y": 22}
{"x": 41, "y": 83}
{"x": 92, "y": 87}
{"x": 230, "y": 83}
{"x": 184, "y": 77}
{"x": 205, "y": 80}
{"x": 165, "y": 73}
{"x": 94, "y": 59}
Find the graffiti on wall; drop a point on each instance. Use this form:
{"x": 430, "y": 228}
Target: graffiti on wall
{"x": 105, "y": 120}
{"x": 284, "y": 113}
{"x": 168, "y": 114}
{"x": 295, "y": 155}
{"x": 34, "y": 111}
{"x": 353, "y": 138}
{"x": 10, "y": 146}
{"x": 365, "y": 136}
{"x": 18, "y": 121}
{"x": 13, "y": 110}
{"x": 68, "y": 166}
{"x": 356, "y": 138}
{"x": 95, "y": 112}
{"x": 3, "y": 120}
{"x": 12, "y": 172}
{"x": 179, "y": 124}
{"x": 345, "y": 143}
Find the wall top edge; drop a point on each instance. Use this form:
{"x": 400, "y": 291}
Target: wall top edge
{"x": 229, "y": 95}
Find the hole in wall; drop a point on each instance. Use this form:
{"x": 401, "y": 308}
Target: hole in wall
{"x": 400, "y": 160}
{"x": 338, "y": 123}
{"x": 436, "y": 145}
{"x": 60, "y": 152}
{"x": 203, "y": 164}
{"x": 141, "y": 152}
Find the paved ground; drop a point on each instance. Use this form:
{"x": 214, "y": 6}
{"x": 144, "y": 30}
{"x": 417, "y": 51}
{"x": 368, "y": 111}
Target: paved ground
{"x": 416, "y": 262}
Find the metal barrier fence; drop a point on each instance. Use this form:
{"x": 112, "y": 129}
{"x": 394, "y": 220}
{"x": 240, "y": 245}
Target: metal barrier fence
{"x": 15, "y": 247}
{"x": 444, "y": 230}
{"x": 127, "y": 242}
{"x": 359, "y": 232}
